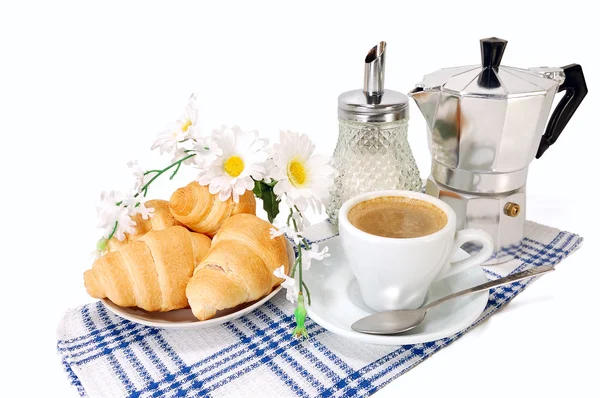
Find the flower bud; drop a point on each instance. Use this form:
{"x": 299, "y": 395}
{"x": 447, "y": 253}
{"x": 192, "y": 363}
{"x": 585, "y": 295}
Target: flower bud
{"x": 101, "y": 244}
{"x": 300, "y": 315}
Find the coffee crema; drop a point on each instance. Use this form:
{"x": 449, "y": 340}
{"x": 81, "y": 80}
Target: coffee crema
{"x": 397, "y": 217}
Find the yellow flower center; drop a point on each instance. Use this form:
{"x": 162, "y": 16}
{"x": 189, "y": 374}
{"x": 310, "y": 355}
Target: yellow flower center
{"x": 296, "y": 173}
{"x": 234, "y": 166}
{"x": 186, "y": 125}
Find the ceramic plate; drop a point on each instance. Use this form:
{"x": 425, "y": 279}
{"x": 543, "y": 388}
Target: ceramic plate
{"x": 184, "y": 318}
{"x": 337, "y": 304}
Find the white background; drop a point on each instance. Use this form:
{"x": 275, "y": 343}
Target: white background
{"x": 86, "y": 87}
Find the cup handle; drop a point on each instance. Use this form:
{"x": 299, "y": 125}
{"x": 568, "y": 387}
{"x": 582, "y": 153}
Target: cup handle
{"x": 462, "y": 237}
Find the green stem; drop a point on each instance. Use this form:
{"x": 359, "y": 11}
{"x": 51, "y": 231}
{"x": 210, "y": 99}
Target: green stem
{"x": 291, "y": 216}
{"x": 306, "y": 244}
{"x": 175, "y": 172}
{"x": 144, "y": 189}
{"x": 300, "y": 281}
{"x": 160, "y": 172}
{"x": 294, "y": 267}
{"x": 307, "y": 292}
{"x": 113, "y": 231}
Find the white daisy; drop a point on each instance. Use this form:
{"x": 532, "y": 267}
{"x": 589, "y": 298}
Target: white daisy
{"x": 203, "y": 149}
{"x": 301, "y": 221}
{"x": 138, "y": 173}
{"x": 232, "y": 172}
{"x": 107, "y": 208}
{"x": 206, "y": 150}
{"x": 289, "y": 284}
{"x": 137, "y": 205}
{"x": 313, "y": 254}
{"x": 181, "y": 153}
{"x": 125, "y": 224}
{"x": 303, "y": 179}
{"x": 268, "y": 165}
{"x": 110, "y": 213}
{"x": 180, "y": 130}
{"x": 295, "y": 236}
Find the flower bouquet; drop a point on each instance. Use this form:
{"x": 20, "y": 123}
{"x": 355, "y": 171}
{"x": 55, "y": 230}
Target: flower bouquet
{"x": 231, "y": 162}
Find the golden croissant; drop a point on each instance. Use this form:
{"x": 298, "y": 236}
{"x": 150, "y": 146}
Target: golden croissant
{"x": 199, "y": 210}
{"x": 238, "y": 267}
{"x": 150, "y": 272}
{"x": 161, "y": 218}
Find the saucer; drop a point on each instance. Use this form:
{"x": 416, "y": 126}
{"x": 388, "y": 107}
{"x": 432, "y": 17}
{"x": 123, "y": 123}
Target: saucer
{"x": 336, "y": 302}
{"x": 184, "y": 318}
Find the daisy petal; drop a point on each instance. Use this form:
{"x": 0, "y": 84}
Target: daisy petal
{"x": 230, "y": 171}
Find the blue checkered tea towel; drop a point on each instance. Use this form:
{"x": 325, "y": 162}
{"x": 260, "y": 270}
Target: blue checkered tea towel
{"x": 255, "y": 356}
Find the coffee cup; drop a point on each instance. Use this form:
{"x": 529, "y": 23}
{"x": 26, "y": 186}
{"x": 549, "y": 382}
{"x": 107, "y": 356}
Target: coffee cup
{"x": 399, "y": 242}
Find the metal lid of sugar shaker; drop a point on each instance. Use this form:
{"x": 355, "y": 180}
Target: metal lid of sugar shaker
{"x": 373, "y": 103}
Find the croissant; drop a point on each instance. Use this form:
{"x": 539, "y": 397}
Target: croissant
{"x": 150, "y": 272}
{"x": 238, "y": 267}
{"x": 199, "y": 210}
{"x": 161, "y": 219}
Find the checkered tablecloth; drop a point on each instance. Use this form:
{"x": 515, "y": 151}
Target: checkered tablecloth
{"x": 255, "y": 356}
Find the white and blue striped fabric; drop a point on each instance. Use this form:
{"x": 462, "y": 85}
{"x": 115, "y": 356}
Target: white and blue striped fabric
{"x": 255, "y": 356}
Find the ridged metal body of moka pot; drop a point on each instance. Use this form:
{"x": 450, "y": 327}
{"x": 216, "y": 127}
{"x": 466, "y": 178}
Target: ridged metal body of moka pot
{"x": 486, "y": 123}
{"x": 372, "y": 152}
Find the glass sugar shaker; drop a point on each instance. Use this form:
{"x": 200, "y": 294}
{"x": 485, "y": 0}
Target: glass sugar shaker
{"x": 372, "y": 151}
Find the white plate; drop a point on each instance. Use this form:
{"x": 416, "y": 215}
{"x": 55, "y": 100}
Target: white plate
{"x": 336, "y": 302}
{"x": 184, "y": 318}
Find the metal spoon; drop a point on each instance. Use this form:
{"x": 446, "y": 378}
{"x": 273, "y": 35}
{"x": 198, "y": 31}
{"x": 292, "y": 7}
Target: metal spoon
{"x": 398, "y": 321}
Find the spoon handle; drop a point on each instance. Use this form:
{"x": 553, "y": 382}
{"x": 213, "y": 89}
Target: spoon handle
{"x": 535, "y": 271}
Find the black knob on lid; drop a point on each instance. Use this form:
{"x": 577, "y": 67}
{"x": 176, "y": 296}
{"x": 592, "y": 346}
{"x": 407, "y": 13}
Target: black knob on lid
{"x": 492, "y": 50}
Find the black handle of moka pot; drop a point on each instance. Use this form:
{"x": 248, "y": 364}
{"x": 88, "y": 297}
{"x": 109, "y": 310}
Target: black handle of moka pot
{"x": 576, "y": 90}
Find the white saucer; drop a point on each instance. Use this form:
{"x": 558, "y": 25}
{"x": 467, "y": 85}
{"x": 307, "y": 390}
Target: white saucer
{"x": 336, "y": 302}
{"x": 184, "y": 318}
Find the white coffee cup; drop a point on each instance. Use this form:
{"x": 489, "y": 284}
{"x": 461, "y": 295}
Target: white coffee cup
{"x": 395, "y": 273}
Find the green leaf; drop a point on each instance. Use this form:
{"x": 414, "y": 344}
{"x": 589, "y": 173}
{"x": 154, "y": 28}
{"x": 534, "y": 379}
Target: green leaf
{"x": 264, "y": 191}
{"x": 258, "y": 189}
{"x": 271, "y": 204}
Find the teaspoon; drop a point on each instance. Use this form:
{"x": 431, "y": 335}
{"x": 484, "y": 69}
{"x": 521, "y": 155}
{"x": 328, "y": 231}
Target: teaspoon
{"x": 398, "y": 321}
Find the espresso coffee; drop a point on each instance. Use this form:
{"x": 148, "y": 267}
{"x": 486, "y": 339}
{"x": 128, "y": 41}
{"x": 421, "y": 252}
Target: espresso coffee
{"x": 397, "y": 217}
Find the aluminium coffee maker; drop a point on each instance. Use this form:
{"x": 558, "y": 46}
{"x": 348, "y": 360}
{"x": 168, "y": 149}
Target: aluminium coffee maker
{"x": 486, "y": 123}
